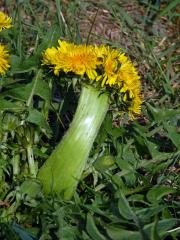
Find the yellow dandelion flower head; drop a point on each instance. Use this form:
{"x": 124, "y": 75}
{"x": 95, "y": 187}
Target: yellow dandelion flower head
{"x": 79, "y": 59}
{"x": 109, "y": 58}
{"x": 109, "y": 67}
{"x": 5, "y": 21}
{"x": 129, "y": 82}
{"x": 119, "y": 72}
{"x": 49, "y": 56}
{"x": 4, "y": 61}
{"x": 135, "y": 108}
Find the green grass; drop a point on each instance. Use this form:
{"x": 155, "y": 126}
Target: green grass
{"x": 129, "y": 189}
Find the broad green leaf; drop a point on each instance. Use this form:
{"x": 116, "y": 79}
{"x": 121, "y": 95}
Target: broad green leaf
{"x": 25, "y": 92}
{"x": 161, "y": 115}
{"x": 173, "y": 134}
{"x": 112, "y": 131}
{"x": 21, "y": 93}
{"x": 157, "y": 160}
{"x": 23, "y": 66}
{"x": 124, "y": 208}
{"x": 11, "y": 106}
{"x": 154, "y": 232}
{"x": 92, "y": 229}
{"x": 10, "y": 82}
{"x": 136, "y": 198}
{"x": 158, "y": 192}
{"x": 66, "y": 232}
{"x": 125, "y": 163}
{"x": 104, "y": 163}
{"x": 37, "y": 118}
{"x": 42, "y": 90}
{"x": 117, "y": 233}
{"x": 153, "y": 148}
{"x": 30, "y": 187}
{"x": 118, "y": 180}
{"x": 145, "y": 214}
{"x": 162, "y": 226}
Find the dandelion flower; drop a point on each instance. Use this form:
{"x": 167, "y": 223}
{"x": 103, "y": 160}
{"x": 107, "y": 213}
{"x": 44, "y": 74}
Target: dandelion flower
{"x": 4, "y": 62}
{"x": 79, "y": 59}
{"x": 119, "y": 72}
{"x": 135, "y": 107}
{"x": 129, "y": 80}
{"x": 110, "y": 65}
{"x": 5, "y": 21}
{"x": 49, "y": 56}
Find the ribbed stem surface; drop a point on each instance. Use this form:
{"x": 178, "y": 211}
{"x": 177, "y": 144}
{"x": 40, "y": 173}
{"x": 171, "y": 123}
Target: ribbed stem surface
{"x": 62, "y": 170}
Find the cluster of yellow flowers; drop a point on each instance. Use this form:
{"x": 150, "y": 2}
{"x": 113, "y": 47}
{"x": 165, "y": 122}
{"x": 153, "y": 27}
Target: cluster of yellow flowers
{"x": 108, "y": 66}
{"x": 5, "y": 23}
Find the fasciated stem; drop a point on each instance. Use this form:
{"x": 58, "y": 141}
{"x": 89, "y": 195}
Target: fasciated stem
{"x": 62, "y": 170}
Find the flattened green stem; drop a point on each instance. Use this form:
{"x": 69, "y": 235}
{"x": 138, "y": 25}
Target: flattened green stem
{"x": 62, "y": 170}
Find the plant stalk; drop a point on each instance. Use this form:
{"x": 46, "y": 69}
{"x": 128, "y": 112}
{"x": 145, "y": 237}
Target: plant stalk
{"x": 32, "y": 165}
{"x": 62, "y": 170}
